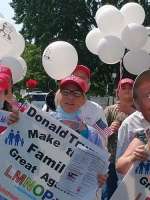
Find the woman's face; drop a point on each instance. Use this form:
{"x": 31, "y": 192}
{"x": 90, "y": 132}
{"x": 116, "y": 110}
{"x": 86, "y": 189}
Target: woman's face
{"x": 125, "y": 92}
{"x": 71, "y": 98}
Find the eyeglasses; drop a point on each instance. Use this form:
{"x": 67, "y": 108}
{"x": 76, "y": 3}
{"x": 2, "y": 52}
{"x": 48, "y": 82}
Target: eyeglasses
{"x": 75, "y": 93}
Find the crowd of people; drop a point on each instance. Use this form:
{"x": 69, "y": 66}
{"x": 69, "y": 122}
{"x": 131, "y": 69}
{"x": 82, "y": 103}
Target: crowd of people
{"x": 120, "y": 129}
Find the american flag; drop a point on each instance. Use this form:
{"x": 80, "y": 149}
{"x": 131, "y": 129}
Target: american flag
{"x": 102, "y": 128}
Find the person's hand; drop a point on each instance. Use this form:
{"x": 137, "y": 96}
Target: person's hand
{"x": 121, "y": 117}
{"x": 13, "y": 117}
{"x": 139, "y": 153}
{"x": 147, "y": 148}
{"x": 114, "y": 126}
{"x": 101, "y": 179}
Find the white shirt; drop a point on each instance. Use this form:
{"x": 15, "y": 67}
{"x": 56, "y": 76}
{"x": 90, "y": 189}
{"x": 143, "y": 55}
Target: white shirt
{"x": 91, "y": 112}
{"x": 128, "y": 130}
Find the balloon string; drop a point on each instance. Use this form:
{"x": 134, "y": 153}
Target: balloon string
{"x": 121, "y": 69}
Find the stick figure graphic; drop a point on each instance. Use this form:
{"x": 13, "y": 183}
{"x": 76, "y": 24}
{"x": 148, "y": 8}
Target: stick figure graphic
{"x": 6, "y": 30}
{"x": 17, "y": 138}
{"x": 10, "y": 137}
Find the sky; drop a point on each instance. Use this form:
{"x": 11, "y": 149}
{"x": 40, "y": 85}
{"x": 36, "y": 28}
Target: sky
{"x": 7, "y": 11}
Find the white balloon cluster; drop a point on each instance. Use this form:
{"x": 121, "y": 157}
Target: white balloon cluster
{"x": 59, "y": 59}
{"x": 117, "y": 31}
{"x": 12, "y": 45}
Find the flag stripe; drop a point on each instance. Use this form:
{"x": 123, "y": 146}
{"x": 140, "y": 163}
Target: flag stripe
{"x": 102, "y": 128}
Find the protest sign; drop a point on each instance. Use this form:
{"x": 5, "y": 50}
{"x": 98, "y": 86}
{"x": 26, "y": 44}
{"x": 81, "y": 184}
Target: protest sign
{"x": 80, "y": 173}
{"x": 136, "y": 184}
{"x": 34, "y": 153}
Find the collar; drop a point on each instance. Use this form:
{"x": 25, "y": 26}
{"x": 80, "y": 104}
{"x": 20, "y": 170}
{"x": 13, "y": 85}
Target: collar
{"x": 140, "y": 115}
{"x": 62, "y": 115}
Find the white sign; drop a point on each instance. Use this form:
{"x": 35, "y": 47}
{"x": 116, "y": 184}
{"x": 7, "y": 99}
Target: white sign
{"x": 34, "y": 154}
{"x": 79, "y": 176}
{"x": 136, "y": 184}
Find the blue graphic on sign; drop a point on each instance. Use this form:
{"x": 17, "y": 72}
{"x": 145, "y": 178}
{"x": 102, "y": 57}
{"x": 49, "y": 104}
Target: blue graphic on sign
{"x": 143, "y": 168}
{"x": 14, "y": 139}
{"x": 2, "y": 198}
{"x": 3, "y": 118}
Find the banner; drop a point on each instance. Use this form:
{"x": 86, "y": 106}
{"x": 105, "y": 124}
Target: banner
{"x": 34, "y": 154}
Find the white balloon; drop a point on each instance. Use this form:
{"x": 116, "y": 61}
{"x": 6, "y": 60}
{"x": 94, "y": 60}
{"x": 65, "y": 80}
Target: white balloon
{"x": 133, "y": 13}
{"x": 92, "y": 39}
{"x": 110, "y": 21}
{"x": 6, "y": 34}
{"x": 18, "y": 45}
{"x": 1, "y": 15}
{"x": 15, "y": 66}
{"x": 59, "y": 59}
{"x": 134, "y": 36}
{"x": 103, "y": 8}
{"x": 137, "y": 61}
{"x": 110, "y": 49}
{"x": 146, "y": 47}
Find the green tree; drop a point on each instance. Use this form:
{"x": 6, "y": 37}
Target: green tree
{"x": 69, "y": 20}
{"x": 32, "y": 55}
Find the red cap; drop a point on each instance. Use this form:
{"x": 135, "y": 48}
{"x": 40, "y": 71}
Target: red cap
{"x": 124, "y": 81}
{"x": 77, "y": 81}
{"x": 4, "y": 82}
{"x": 6, "y": 70}
{"x": 84, "y": 69}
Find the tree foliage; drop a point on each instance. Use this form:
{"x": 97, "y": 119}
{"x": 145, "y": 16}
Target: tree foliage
{"x": 69, "y": 20}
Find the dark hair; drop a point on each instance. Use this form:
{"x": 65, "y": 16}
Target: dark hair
{"x": 50, "y": 101}
{"x": 7, "y": 106}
